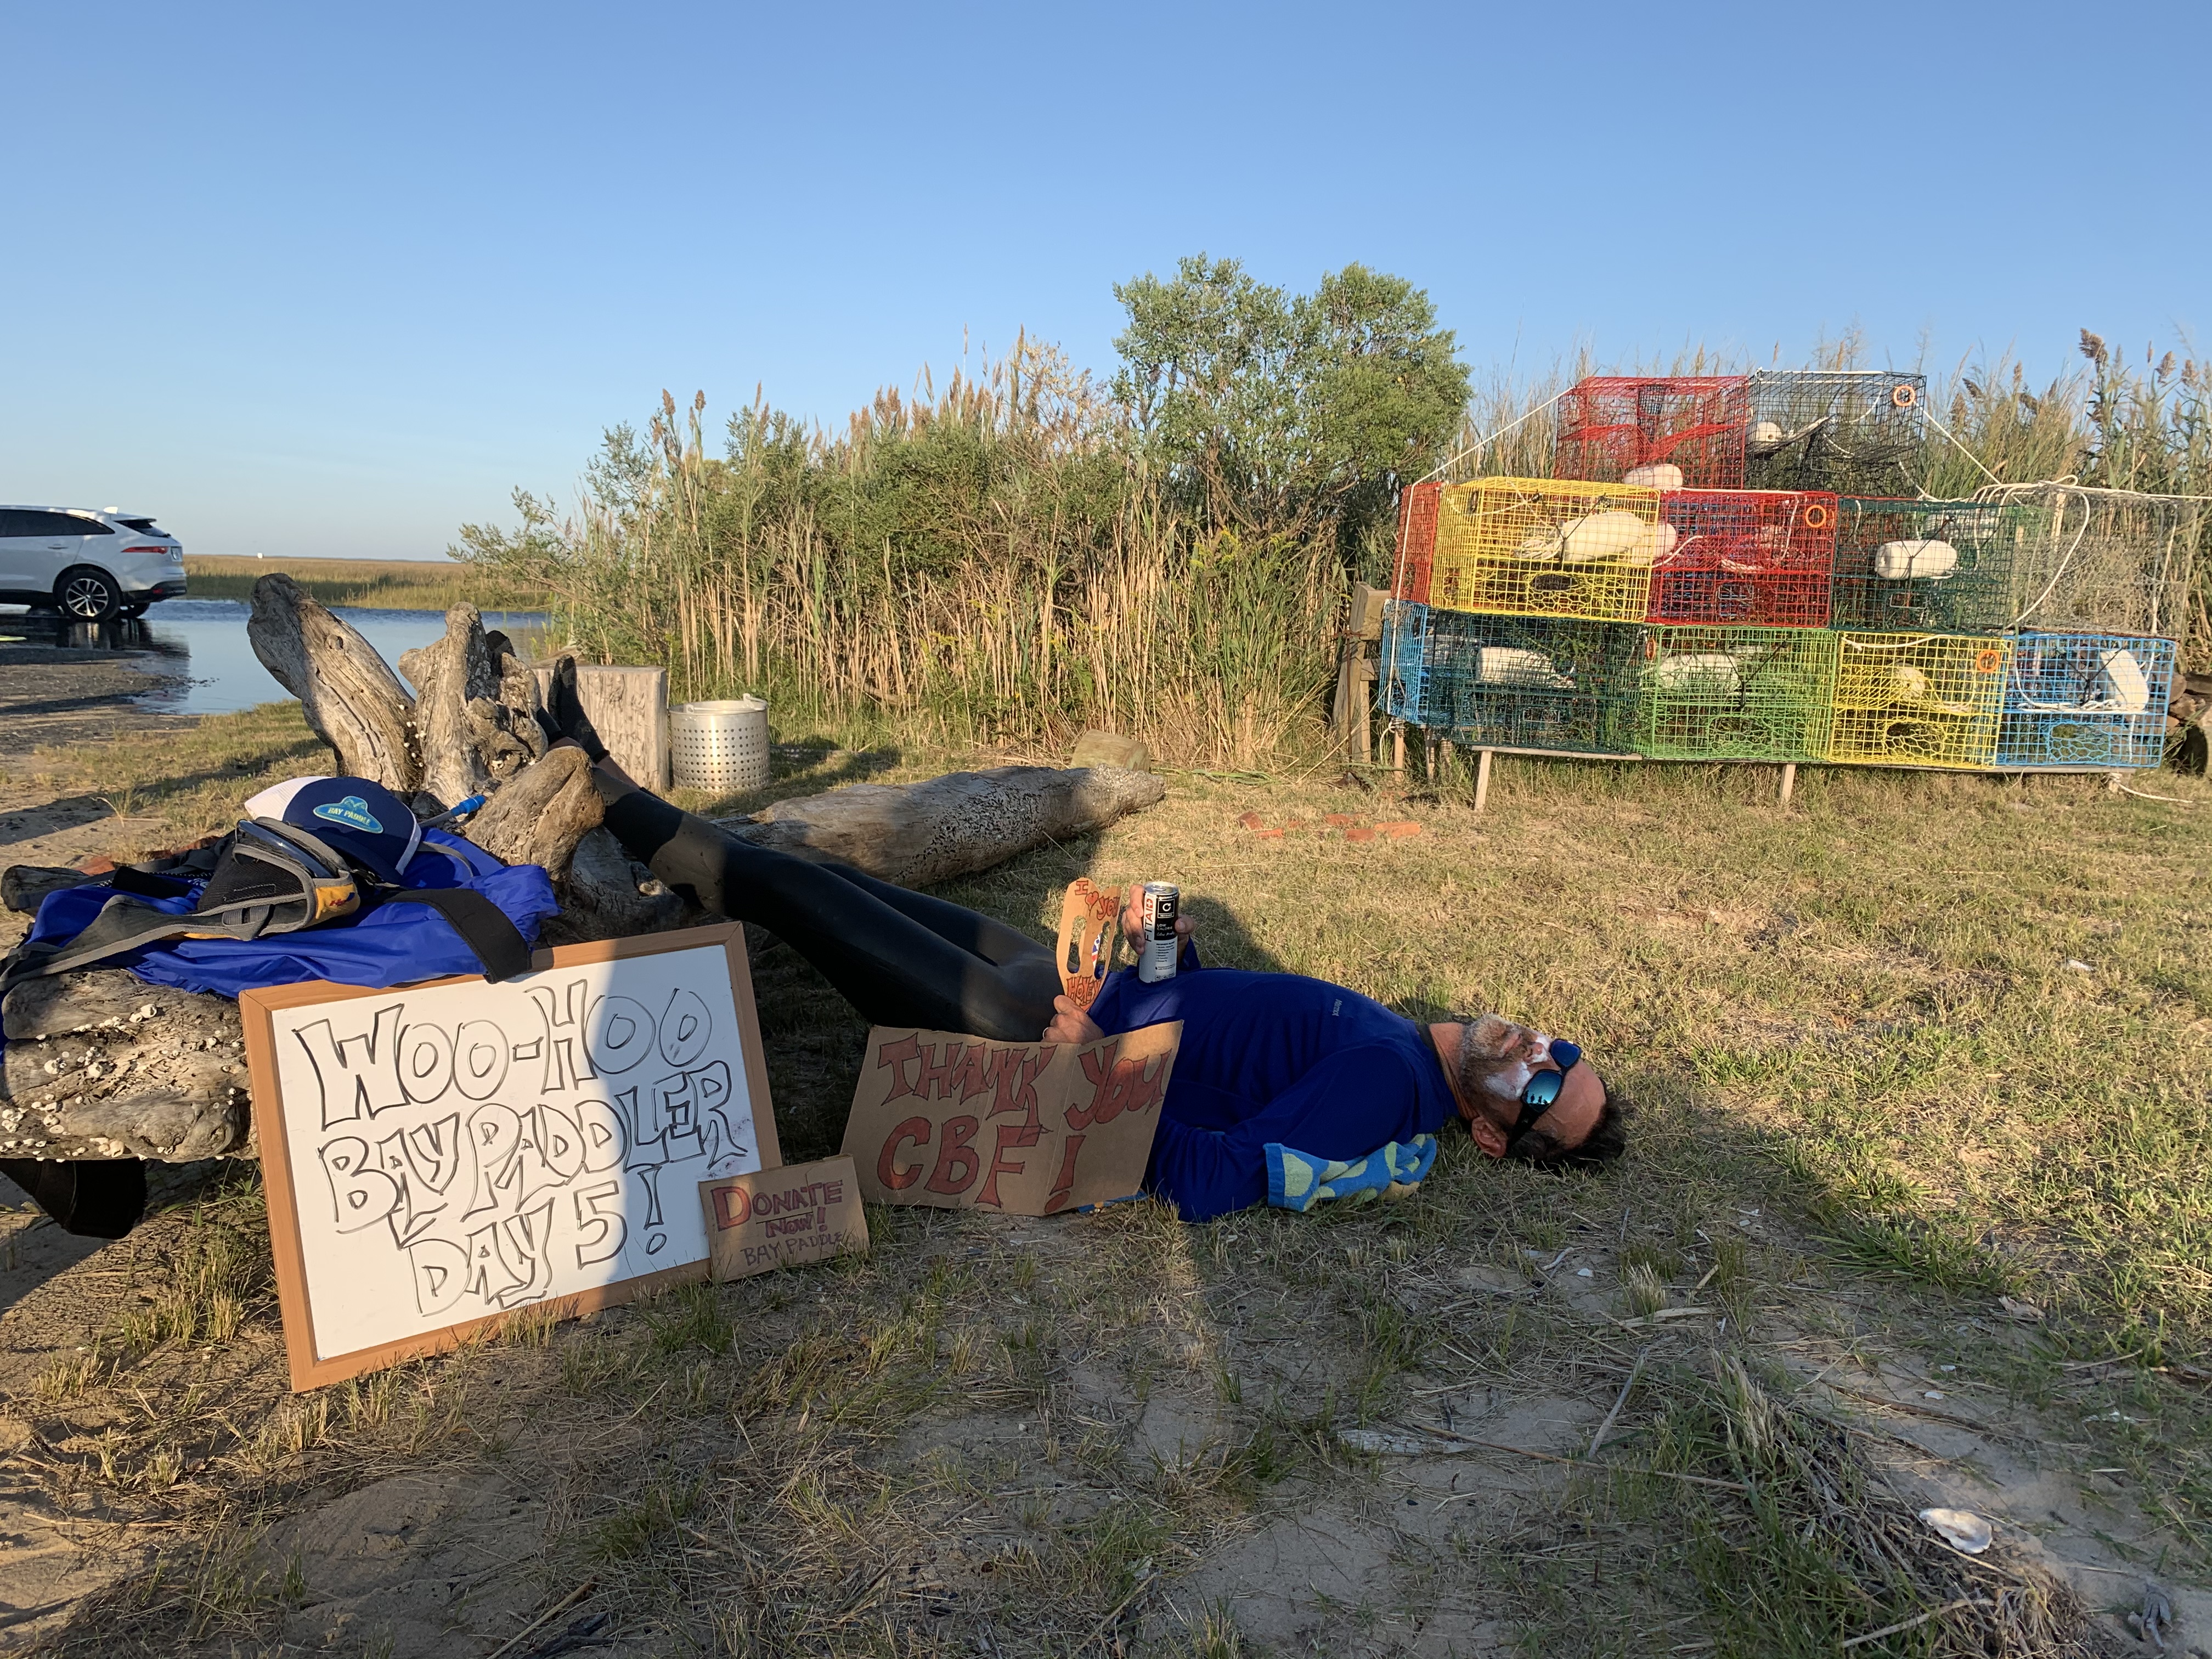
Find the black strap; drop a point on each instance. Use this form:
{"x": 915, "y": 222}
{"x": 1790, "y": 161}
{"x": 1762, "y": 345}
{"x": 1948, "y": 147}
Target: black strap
{"x": 124, "y": 924}
{"x": 483, "y": 927}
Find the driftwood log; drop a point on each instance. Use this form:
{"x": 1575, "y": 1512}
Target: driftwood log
{"x": 348, "y": 693}
{"x": 918, "y": 832}
{"x": 98, "y": 1064}
{"x": 475, "y": 718}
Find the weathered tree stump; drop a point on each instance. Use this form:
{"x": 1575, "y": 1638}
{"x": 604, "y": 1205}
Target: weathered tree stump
{"x": 476, "y": 710}
{"x": 350, "y": 695}
{"x": 612, "y": 895}
{"x": 540, "y": 817}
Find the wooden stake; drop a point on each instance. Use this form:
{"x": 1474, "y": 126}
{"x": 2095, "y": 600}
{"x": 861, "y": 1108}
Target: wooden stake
{"x": 1482, "y": 780}
{"x": 1788, "y": 781}
{"x": 1363, "y": 732}
{"x": 1397, "y": 747}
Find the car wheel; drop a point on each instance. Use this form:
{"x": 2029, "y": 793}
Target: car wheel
{"x": 87, "y": 595}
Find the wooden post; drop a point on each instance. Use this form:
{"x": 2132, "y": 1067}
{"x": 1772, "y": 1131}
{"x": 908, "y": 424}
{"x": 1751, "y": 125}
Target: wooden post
{"x": 1482, "y": 780}
{"x": 1429, "y": 758}
{"x": 1788, "y": 781}
{"x": 629, "y": 706}
{"x": 1397, "y": 747}
{"x": 1362, "y": 730}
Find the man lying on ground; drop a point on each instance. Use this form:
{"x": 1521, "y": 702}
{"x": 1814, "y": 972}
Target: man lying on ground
{"x": 1272, "y": 1063}
{"x": 1268, "y": 1061}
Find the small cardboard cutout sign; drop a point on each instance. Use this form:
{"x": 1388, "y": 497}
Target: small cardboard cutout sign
{"x": 1026, "y": 1128}
{"x": 782, "y": 1218}
{"x": 1089, "y": 927}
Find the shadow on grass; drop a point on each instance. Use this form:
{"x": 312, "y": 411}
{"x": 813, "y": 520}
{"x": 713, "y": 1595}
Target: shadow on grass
{"x": 808, "y": 768}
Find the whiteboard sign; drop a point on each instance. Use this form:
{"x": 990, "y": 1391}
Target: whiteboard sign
{"x": 443, "y": 1155}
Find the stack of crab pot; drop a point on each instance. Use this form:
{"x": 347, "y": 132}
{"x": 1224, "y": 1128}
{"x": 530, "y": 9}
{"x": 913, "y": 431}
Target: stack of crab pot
{"x": 1742, "y": 567}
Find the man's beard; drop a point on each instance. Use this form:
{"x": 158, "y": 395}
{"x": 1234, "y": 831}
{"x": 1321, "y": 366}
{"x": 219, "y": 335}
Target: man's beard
{"x": 1497, "y": 1058}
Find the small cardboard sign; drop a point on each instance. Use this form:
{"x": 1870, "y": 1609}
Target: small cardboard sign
{"x": 782, "y": 1218}
{"x": 1025, "y": 1128}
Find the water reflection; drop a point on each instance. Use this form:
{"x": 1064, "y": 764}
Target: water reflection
{"x": 199, "y": 647}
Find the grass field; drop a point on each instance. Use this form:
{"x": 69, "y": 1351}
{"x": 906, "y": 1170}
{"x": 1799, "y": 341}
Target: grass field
{"x": 387, "y": 584}
{"x": 1907, "y": 1059}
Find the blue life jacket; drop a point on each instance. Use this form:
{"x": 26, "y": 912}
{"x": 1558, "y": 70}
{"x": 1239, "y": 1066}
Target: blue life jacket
{"x": 394, "y": 943}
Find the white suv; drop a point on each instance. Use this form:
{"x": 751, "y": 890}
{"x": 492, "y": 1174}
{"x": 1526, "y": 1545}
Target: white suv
{"x": 93, "y": 566}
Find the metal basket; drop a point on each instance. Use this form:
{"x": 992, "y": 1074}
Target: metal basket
{"x": 1547, "y": 547}
{"x": 1509, "y": 682}
{"x": 1917, "y": 699}
{"x": 2086, "y": 700}
{"x": 1742, "y": 693}
{"x": 1857, "y": 432}
{"x": 720, "y": 747}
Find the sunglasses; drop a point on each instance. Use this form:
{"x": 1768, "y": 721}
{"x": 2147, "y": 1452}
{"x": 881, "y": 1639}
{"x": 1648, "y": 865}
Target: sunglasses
{"x": 1543, "y": 1091}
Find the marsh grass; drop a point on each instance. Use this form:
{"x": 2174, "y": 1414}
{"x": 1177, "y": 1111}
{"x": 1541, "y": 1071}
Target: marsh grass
{"x": 184, "y": 781}
{"x": 381, "y": 584}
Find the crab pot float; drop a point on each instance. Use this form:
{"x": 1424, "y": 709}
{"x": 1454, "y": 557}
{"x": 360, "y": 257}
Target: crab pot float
{"x": 2086, "y": 700}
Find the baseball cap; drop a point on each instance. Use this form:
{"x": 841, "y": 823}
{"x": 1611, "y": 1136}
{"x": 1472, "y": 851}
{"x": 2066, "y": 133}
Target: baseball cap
{"x": 362, "y": 820}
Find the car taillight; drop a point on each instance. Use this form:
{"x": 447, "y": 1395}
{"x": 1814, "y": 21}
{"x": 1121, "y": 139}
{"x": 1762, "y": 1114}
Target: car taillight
{"x": 146, "y": 550}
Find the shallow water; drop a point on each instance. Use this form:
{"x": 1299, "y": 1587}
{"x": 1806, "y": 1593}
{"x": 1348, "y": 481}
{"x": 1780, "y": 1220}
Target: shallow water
{"x": 199, "y": 647}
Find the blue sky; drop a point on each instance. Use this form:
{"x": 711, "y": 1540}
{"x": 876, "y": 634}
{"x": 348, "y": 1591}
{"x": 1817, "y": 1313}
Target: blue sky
{"x": 326, "y": 280}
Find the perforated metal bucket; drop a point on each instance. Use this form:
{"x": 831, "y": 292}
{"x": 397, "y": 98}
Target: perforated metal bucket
{"x": 720, "y": 746}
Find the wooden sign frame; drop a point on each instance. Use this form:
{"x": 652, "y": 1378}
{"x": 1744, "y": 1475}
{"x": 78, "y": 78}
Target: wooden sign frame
{"x": 256, "y": 1008}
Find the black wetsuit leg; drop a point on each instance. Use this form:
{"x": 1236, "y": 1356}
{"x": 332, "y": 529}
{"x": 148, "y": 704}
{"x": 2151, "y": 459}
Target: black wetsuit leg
{"x": 899, "y": 957}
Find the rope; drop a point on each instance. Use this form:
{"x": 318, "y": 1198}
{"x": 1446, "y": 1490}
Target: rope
{"x": 2171, "y": 801}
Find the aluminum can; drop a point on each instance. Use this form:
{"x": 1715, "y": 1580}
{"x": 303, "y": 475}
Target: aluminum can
{"x": 1155, "y": 957}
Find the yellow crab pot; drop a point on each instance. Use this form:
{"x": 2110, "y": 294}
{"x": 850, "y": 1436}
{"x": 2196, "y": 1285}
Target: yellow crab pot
{"x": 1547, "y": 547}
{"x": 1917, "y": 699}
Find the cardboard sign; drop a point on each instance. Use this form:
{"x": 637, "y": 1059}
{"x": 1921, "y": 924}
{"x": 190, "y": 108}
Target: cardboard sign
{"x": 781, "y": 1218}
{"x": 1026, "y": 1128}
{"x": 441, "y": 1156}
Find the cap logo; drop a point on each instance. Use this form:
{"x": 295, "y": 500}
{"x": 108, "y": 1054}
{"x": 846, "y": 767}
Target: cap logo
{"x": 353, "y": 812}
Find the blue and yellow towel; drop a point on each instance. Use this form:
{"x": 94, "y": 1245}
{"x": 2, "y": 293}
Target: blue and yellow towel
{"x": 1297, "y": 1180}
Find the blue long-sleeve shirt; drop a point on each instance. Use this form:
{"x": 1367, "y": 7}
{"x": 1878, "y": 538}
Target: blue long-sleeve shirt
{"x": 1273, "y": 1057}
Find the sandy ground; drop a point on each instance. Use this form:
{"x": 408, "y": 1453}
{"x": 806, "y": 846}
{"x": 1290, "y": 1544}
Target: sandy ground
{"x": 56, "y": 696}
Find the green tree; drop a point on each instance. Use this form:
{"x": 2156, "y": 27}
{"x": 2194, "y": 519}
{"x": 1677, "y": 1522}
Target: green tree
{"x": 1278, "y": 415}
